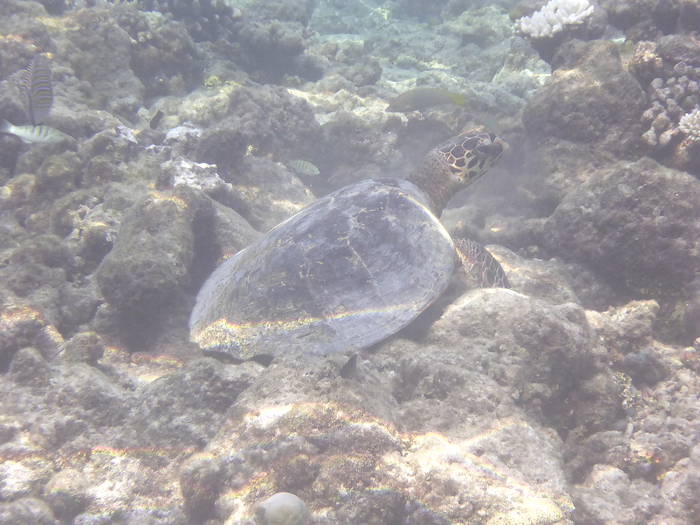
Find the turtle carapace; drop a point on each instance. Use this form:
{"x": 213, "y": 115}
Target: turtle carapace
{"x": 351, "y": 268}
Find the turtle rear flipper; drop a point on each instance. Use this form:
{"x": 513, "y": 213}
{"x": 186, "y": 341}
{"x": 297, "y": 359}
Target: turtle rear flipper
{"x": 478, "y": 262}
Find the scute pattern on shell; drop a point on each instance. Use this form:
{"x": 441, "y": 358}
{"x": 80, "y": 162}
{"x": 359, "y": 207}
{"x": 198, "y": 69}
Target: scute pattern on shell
{"x": 348, "y": 270}
{"x": 312, "y": 284}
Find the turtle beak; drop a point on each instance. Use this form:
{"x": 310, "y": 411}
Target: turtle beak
{"x": 491, "y": 152}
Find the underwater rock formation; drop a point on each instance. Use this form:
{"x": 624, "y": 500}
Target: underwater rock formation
{"x": 637, "y": 224}
{"x": 495, "y": 406}
{"x": 590, "y": 98}
{"x": 650, "y": 19}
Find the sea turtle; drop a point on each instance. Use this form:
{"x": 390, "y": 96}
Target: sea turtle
{"x": 351, "y": 268}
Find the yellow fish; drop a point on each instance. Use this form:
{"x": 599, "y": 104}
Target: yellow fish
{"x": 421, "y": 98}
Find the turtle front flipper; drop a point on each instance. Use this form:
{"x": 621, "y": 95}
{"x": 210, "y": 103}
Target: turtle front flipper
{"x": 478, "y": 262}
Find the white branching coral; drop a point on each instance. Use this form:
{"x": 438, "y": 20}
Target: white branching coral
{"x": 553, "y": 18}
{"x": 690, "y": 124}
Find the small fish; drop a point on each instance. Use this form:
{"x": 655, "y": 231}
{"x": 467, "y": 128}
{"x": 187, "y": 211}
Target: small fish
{"x": 303, "y": 167}
{"x": 156, "y": 119}
{"x": 36, "y": 89}
{"x": 40, "y": 134}
{"x": 421, "y": 98}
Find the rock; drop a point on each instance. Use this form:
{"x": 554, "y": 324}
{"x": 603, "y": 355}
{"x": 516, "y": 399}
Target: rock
{"x": 150, "y": 261}
{"x": 266, "y": 194}
{"x": 680, "y": 486}
{"x": 295, "y": 10}
{"x": 23, "y": 327}
{"x": 197, "y": 175}
{"x": 654, "y": 452}
{"x": 691, "y": 314}
{"x": 608, "y": 480}
{"x": 66, "y": 493}
{"x": 608, "y": 496}
{"x": 105, "y": 155}
{"x": 486, "y": 349}
{"x": 205, "y": 20}
{"x": 556, "y": 168}
{"x": 645, "y": 368}
{"x": 263, "y": 120}
{"x": 532, "y": 511}
{"x": 373, "y": 508}
{"x": 231, "y": 233}
{"x": 26, "y": 511}
{"x": 85, "y": 393}
{"x": 182, "y": 140}
{"x": 167, "y": 244}
{"x": 84, "y": 347}
{"x": 280, "y": 42}
{"x": 80, "y": 299}
{"x": 23, "y": 478}
{"x": 163, "y": 55}
{"x": 36, "y": 271}
{"x": 590, "y": 98}
{"x": 59, "y": 174}
{"x": 106, "y": 68}
{"x": 553, "y": 342}
{"x": 642, "y": 20}
{"x": 597, "y": 400}
{"x": 634, "y": 224}
{"x": 200, "y": 480}
{"x": 609, "y": 447}
{"x": 197, "y": 399}
{"x": 28, "y": 367}
{"x": 625, "y": 329}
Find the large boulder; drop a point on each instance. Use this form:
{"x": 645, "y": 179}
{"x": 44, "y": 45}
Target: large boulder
{"x": 590, "y": 98}
{"x": 637, "y": 225}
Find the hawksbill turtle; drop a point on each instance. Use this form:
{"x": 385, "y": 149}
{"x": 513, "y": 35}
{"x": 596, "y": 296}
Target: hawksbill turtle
{"x": 351, "y": 268}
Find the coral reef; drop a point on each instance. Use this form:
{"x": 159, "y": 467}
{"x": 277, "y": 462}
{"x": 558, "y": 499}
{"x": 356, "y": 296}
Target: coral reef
{"x": 553, "y": 18}
{"x": 670, "y": 71}
{"x": 690, "y": 124}
{"x": 570, "y": 399}
{"x": 203, "y": 19}
{"x": 557, "y": 22}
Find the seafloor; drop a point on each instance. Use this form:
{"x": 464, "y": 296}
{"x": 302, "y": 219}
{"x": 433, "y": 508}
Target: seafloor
{"x": 572, "y": 398}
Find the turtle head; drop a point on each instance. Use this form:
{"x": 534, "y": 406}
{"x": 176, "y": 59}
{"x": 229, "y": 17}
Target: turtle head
{"x": 456, "y": 163}
{"x": 471, "y": 154}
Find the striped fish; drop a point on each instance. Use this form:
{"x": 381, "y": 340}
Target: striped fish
{"x": 304, "y": 167}
{"x": 37, "y": 92}
{"x": 27, "y": 134}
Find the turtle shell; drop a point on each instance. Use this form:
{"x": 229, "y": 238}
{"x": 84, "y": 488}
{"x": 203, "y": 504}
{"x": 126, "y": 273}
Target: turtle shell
{"x": 345, "y": 272}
